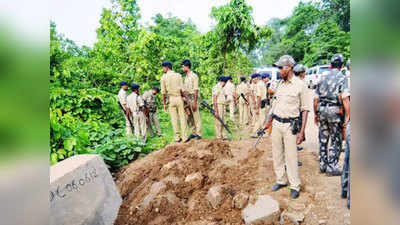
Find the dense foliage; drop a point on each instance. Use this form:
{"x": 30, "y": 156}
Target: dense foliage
{"x": 84, "y": 115}
{"x": 312, "y": 34}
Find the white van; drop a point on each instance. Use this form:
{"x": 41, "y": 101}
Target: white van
{"x": 314, "y": 74}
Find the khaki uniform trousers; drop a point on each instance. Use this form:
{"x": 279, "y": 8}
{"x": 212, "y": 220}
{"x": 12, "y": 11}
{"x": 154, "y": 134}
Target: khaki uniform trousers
{"x": 253, "y": 117}
{"x": 219, "y": 128}
{"x": 260, "y": 119}
{"x": 176, "y": 111}
{"x": 231, "y": 104}
{"x": 153, "y": 120}
{"x": 284, "y": 152}
{"x": 139, "y": 122}
{"x": 195, "y": 121}
{"x": 243, "y": 113}
{"x": 128, "y": 125}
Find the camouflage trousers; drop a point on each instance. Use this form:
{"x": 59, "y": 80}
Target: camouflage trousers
{"x": 346, "y": 168}
{"x": 328, "y": 159}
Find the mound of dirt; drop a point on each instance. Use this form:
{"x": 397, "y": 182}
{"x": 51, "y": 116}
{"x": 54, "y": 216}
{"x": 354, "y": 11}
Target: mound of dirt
{"x": 197, "y": 182}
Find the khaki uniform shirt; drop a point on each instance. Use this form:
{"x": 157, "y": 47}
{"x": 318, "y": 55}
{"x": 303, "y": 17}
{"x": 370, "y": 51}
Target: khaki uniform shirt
{"x": 191, "y": 83}
{"x": 171, "y": 84}
{"x": 243, "y": 88}
{"x": 253, "y": 89}
{"x": 261, "y": 90}
{"x": 134, "y": 102}
{"x": 219, "y": 91}
{"x": 291, "y": 98}
{"x": 122, "y": 96}
{"x": 229, "y": 88}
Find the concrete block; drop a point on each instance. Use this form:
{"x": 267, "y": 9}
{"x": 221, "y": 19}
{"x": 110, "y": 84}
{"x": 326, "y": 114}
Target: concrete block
{"x": 82, "y": 191}
{"x": 265, "y": 210}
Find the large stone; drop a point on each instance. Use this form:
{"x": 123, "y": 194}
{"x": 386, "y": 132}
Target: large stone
{"x": 240, "y": 201}
{"x": 265, "y": 210}
{"x": 195, "y": 180}
{"x": 155, "y": 189}
{"x": 214, "y": 196}
{"x": 82, "y": 191}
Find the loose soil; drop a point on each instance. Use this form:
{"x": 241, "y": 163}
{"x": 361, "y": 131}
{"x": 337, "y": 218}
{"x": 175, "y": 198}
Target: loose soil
{"x": 154, "y": 190}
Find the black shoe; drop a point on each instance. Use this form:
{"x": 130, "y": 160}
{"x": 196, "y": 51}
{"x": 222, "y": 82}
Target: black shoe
{"x": 197, "y": 137}
{"x": 299, "y": 148}
{"x": 226, "y": 139}
{"x": 191, "y": 136}
{"x": 343, "y": 194}
{"x": 278, "y": 186}
{"x": 180, "y": 140}
{"x": 322, "y": 170}
{"x": 348, "y": 203}
{"x": 299, "y": 163}
{"x": 294, "y": 194}
{"x": 333, "y": 173}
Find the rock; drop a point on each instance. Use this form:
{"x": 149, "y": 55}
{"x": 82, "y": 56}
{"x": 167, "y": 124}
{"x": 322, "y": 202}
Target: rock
{"x": 194, "y": 179}
{"x": 171, "y": 197}
{"x": 297, "y": 206}
{"x": 155, "y": 189}
{"x": 294, "y": 217}
{"x": 169, "y": 165}
{"x": 214, "y": 196}
{"x": 172, "y": 179}
{"x": 204, "y": 153}
{"x": 265, "y": 210}
{"x": 82, "y": 191}
{"x": 320, "y": 195}
{"x": 240, "y": 201}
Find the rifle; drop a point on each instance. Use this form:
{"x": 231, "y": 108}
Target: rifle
{"x": 129, "y": 119}
{"x": 204, "y": 104}
{"x": 247, "y": 102}
{"x": 260, "y": 134}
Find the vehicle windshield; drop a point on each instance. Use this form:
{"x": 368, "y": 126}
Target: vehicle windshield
{"x": 323, "y": 69}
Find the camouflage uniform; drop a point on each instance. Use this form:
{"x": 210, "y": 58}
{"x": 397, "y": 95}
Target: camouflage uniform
{"x": 150, "y": 101}
{"x": 328, "y": 91}
{"x": 346, "y": 168}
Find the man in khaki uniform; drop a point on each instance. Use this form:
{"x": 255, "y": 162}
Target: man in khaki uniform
{"x": 261, "y": 106}
{"x": 191, "y": 87}
{"x": 290, "y": 100}
{"x": 172, "y": 86}
{"x": 253, "y": 85}
{"x": 122, "y": 100}
{"x": 150, "y": 102}
{"x": 243, "y": 89}
{"x": 230, "y": 97}
{"x": 219, "y": 101}
{"x": 136, "y": 106}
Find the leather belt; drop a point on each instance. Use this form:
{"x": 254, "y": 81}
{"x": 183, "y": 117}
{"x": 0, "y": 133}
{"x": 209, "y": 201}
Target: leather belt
{"x": 283, "y": 120}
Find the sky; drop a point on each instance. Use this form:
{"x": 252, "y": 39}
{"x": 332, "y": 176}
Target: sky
{"x": 79, "y": 19}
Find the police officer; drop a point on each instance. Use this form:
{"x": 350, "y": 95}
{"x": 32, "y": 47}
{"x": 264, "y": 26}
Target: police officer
{"x": 300, "y": 72}
{"x": 253, "y": 99}
{"x": 287, "y": 132}
{"x": 122, "y": 100}
{"x": 150, "y": 102}
{"x": 230, "y": 91}
{"x": 172, "y": 88}
{"x": 327, "y": 108}
{"x": 136, "y": 106}
{"x": 243, "y": 91}
{"x": 219, "y": 101}
{"x": 261, "y": 103}
{"x": 191, "y": 86}
{"x": 346, "y": 166}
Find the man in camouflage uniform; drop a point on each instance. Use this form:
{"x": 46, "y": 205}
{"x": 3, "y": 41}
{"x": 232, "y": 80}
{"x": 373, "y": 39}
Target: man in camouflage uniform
{"x": 346, "y": 165}
{"x": 191, "y": 87}
{"x": 172, "y": 88}
{"x": 136, "y": 105}
{"x": 230, "y": 91}
{"x": 219, "y": 101}
{"x": 150, "y": 102}
{"x": 243, "y": 90}
{"x": 327, "y": 114}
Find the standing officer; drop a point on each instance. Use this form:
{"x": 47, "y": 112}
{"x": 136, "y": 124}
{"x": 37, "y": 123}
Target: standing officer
{"x": 172, "y": 86}
{"x": 243, "y": 91}
{"x": 122, "y": 100}
{"x": 253, "y": 99}
{"x": 230, "y": 97}
{"x": 219, "y": 101}
{"x": 327, "y": 104}
{"x": 346, "y": 165}
{"x": 136, "y": 106}
{"x": 287, "y": 132}
{"x": 191, "y": 86}
{"x": 150, "y": 102}
{"x": 300, "y": 72}
{"x": 261, "y": 104}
